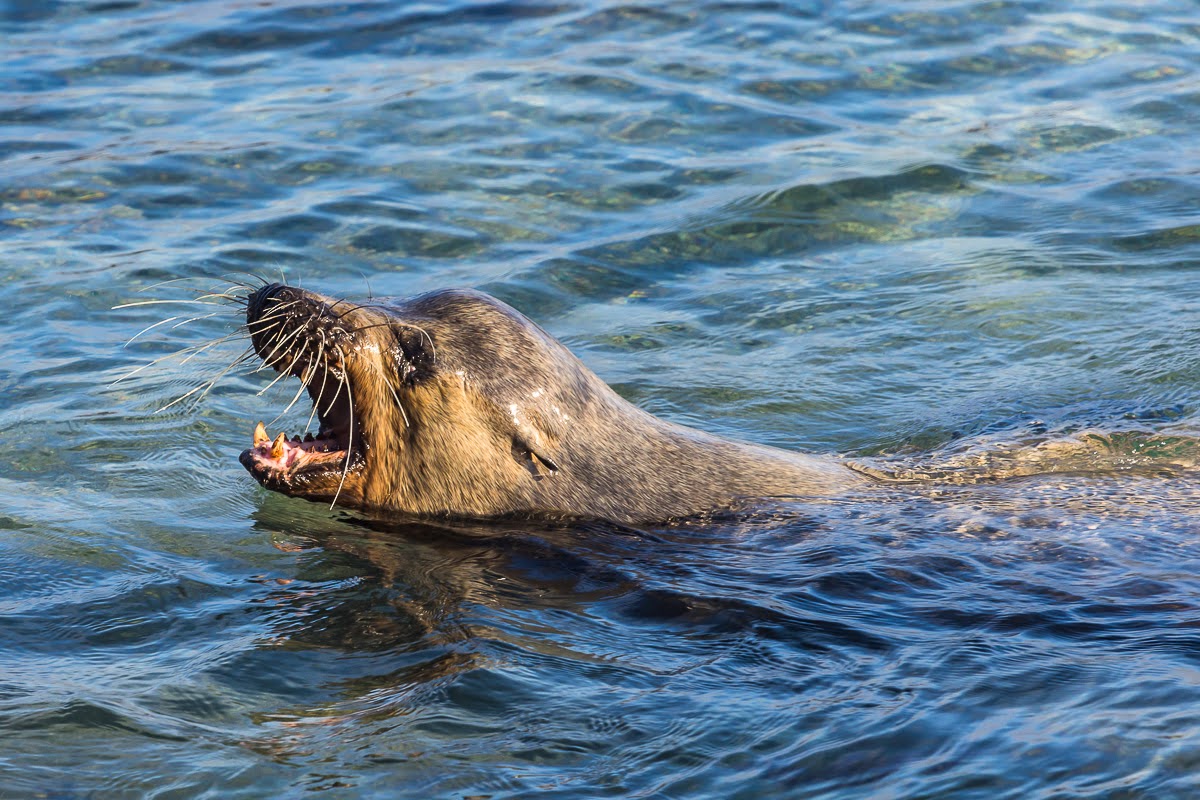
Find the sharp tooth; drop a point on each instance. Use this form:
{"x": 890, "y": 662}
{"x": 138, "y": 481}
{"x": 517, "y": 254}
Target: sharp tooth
{"x": 296, "y": 438}
{"x": 277, "y": 448}
{"x": 260, "y": 435}
{"x": 308, "y": 437}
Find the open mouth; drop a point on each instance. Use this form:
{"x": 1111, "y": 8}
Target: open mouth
{"x": 283, "y": 454}
{"x": 290, "y": 462}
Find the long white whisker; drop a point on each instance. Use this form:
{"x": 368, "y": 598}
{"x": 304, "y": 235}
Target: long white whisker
{"x": 281, "y": 375}
{"x": 338, "y": 392}
{"x": 356, "y": 306}
{"x": 260, "y": 328}
{"x": 211, "y": 295}
{"x": 166, "y": 302}
{"x": 193, "y": 319}
{"x": 206, "y": 387}
{"x": 148, "y": 328}
{"x": 284, "y": 340}
{"x": 269, "y": 321}
{"x": 324, "y": 379}
{"x": 198, "y": 348}
{"x": 278, "y": 305}
{"x": 208, "y": 346}
{"x": 309, "y": 375}
{"x": 350, "y": 438}
{"x": 391, "y": 389}
{"x": 234, "y": 284}
{"x": 274, "y": 313}
{"x": 168, "y": 281}
{"x": 183, "y": 397}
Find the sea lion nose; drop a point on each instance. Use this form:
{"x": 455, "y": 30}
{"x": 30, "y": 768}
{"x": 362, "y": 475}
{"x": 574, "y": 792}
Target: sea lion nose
{"x": 256, "y": 303}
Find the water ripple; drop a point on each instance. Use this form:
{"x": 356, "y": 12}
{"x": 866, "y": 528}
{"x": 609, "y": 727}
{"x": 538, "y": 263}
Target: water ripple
{"x": 942, "y": 240}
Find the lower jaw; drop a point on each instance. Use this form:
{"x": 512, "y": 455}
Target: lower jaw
{"x": 290, "y": 480}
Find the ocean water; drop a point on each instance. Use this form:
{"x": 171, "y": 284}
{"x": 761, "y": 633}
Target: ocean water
{"x": 914, "y": 234}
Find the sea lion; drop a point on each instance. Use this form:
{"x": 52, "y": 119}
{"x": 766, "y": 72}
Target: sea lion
{"x": 454, "y": 404}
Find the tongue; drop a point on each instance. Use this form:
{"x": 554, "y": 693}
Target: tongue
{"x": 286, "y": 451}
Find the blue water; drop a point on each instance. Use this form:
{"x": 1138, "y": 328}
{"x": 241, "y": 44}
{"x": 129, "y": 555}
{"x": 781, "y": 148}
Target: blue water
{"x": 910, "y": 233}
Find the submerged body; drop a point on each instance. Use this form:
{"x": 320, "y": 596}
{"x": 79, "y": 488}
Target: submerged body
{"x": 453, "y": 403}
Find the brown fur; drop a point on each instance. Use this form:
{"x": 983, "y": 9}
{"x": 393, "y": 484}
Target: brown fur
{"x": 464, "y": 407}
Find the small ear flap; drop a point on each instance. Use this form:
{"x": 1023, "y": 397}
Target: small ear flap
{"x": 534, "y": 459}
{"x": 547, "y": 462}
{"x": 531, "y": 442}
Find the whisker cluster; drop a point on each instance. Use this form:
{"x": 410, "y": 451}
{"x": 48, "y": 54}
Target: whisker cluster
{"x": 309, "y": 346}
{"x": 232, "y": 294}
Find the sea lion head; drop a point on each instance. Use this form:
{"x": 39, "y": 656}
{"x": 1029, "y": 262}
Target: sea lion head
{"x": 448, "y": 402}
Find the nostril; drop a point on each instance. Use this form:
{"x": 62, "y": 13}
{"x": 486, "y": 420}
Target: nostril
{"x": 256, "y": 303}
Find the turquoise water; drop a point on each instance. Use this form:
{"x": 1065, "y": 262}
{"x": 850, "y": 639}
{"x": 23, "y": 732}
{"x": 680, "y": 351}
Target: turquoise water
{"x": 905, "y": 232}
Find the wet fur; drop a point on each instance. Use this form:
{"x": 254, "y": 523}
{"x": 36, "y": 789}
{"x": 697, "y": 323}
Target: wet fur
{"x": 467, "y": 408}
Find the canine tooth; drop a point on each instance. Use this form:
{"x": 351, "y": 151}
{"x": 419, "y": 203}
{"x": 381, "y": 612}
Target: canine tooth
{"x": 260, "y": 435}
{"x": 277, "y": 448}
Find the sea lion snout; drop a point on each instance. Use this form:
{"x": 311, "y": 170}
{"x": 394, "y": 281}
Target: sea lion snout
{"x": 257, "y": 301}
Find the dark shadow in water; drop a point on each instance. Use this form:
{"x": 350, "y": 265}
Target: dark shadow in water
{"x": 414, "y": 606}
{"x": 403, "y": 592}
